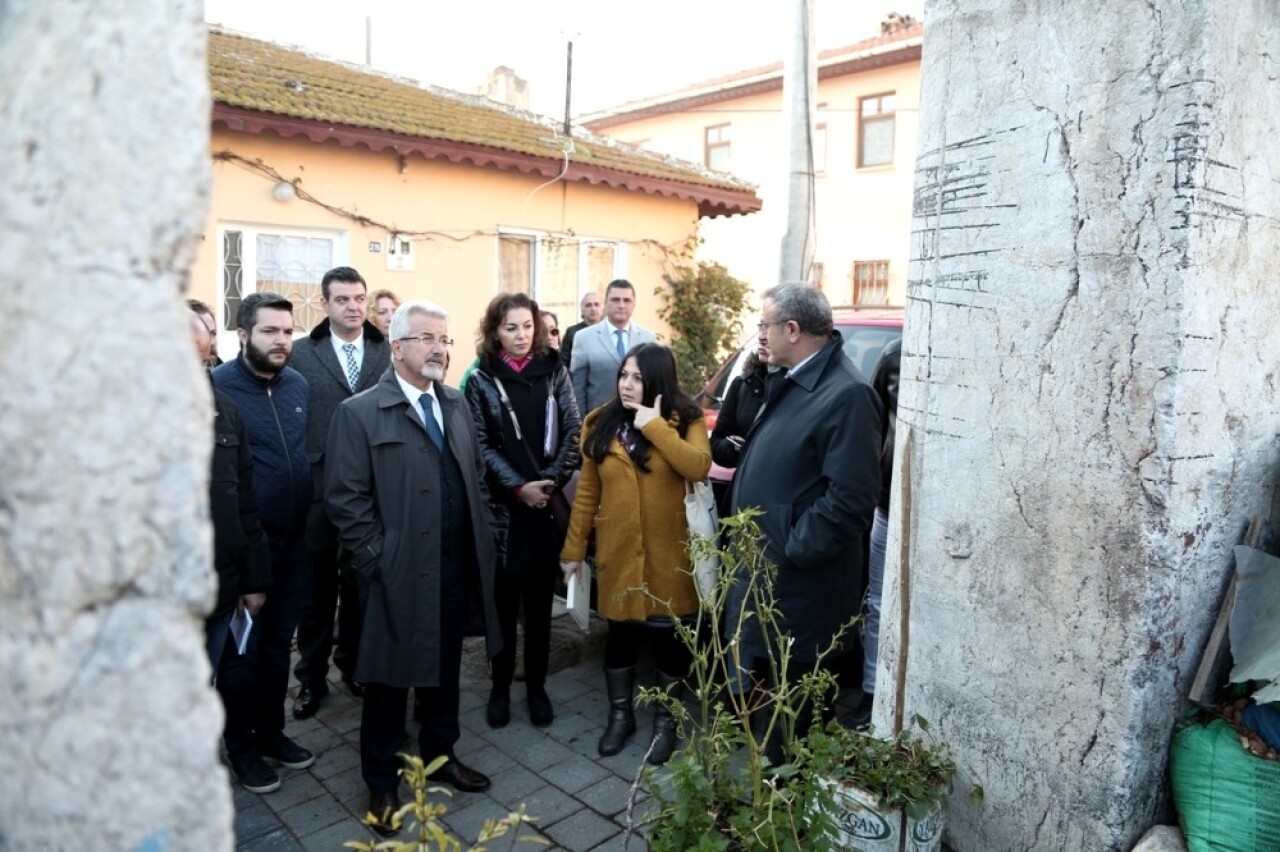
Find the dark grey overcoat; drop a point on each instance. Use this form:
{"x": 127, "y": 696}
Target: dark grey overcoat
{"x": 812, "y": 463}
{"x": 382, "y": 485}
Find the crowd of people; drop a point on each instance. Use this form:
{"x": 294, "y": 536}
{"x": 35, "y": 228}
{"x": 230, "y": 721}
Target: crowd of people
{"x": 351, "y": 483}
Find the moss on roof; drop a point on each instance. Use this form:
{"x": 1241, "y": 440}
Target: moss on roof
{"x": 257, "y": 75}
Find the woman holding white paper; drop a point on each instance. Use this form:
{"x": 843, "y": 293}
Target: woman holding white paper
{"x": 638, "y": 451}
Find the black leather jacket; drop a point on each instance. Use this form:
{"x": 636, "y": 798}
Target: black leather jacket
{"x": 507, "y": 465}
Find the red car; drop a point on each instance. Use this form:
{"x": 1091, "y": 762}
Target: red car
{"x": 866, "y": 331}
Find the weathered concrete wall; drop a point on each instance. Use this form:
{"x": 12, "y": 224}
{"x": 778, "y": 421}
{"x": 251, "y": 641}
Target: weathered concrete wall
{"x": 108, "y": 729}
{"x": 1089, "y": 380}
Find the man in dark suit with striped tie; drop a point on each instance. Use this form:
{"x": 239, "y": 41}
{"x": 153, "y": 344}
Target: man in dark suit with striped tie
{"x": 343, "y": 355}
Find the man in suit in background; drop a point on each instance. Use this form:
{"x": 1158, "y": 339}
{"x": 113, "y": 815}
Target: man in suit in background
{"x": 598, "y": 350}
{"x": 592, "y": 308}
{"x": 343, "y": 355}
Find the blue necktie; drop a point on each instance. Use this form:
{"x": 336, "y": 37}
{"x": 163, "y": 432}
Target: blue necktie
{"x": 622, "y": 350}
{"x": 428, "y": 403}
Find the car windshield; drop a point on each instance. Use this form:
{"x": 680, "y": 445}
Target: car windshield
{"x": 864, "y": 343}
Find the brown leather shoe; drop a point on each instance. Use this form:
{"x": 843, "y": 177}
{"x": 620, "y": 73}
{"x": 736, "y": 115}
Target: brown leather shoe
{"x": 462, "y": 778}
{"x": 382, "y": 806}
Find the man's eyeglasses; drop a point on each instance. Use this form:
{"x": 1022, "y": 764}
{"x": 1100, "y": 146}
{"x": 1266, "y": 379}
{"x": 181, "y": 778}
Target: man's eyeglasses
{"x": 762, "y": 325}
{"x": 429, "y": 340}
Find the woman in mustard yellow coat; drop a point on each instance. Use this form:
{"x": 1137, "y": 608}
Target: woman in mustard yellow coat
{"x": 638, "y": 450}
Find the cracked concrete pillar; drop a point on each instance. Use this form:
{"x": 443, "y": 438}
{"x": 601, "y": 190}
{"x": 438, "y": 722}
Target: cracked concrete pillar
{"x": 1089, "y": 409}
{"x": 108, "y": 728}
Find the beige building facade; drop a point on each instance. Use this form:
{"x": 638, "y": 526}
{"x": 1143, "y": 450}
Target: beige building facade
{"x": 429, "y": 194}
{"x": 864, "y": 154}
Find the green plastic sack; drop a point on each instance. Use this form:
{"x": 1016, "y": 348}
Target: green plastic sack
{"x": 1228, "y": 800}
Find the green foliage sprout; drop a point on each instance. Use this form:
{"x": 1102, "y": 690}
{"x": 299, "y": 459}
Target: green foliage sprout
{"x": 703, "y": 305}
{"x": 421, "y": 816}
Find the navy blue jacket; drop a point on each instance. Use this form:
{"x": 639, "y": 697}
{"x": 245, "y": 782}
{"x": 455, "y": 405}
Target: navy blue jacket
{"x": 274, "y": 412}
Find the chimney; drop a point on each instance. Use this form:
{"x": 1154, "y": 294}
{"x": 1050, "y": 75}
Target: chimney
{"x": 506, "y": 87}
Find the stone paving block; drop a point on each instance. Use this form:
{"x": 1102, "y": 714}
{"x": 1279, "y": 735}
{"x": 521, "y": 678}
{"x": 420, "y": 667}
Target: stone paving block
{"x": 279, "y": 840}
{"x": 575, "y": 774}
{"x": 473, "y": 720}
{"x": 320, "y": 812}
{"x": 335, "y": 760}
{"x": 254, "y": 820}
{"x": 331, "y": 838}
{"x": 513, "y": 785}
{"x": 607, "y": 796}
{"x": 621, "y": 842}
{"x": 345, "y": 721}
{"x": 538, "y": 752}
{"x": 569, "y": 725}
{"x": 489, "y": 759}
{"x": 297, "y": 786}
{"x": 346, "y": 785}
{"x": 550, "y": 805}
{"x": 467, "y": 815}
{"x": 626, "y": 763}
{"x": 582, "y": 830}
{"x": 318, "y": 740}
{"x": 564, "y": 686}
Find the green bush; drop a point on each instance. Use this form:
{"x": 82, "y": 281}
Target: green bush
{"x": 703, "y": 306}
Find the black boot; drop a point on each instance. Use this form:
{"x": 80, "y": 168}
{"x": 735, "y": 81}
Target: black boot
{"x": 664, "y": 725}
{"x": 620, "y": 683}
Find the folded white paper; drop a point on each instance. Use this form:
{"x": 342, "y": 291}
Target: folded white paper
{"x": 578, "y": 600}
{"x": 241, "y": 626}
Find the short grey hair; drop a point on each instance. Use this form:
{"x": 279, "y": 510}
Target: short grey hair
{"x": 803, "y": 304}
{"x": 400, "y": 321}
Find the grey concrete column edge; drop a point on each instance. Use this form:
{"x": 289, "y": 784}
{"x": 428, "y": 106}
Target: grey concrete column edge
{"x": 1089, "y": 382}
{"x": 108, "y": 728}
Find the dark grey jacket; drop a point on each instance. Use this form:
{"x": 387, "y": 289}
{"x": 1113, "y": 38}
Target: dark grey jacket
{"x": 812, "y": 463}
{"x": 314, "y": 358}
{"x": 382, "y": 483}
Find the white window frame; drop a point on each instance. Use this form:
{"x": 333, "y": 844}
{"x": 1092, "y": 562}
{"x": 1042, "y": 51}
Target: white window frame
{"x": 620, "y": 257}
{"x": 228, "y": 342}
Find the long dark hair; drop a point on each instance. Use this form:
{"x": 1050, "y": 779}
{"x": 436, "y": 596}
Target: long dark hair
{"x": 657, "y": 368}
{"x": 487, "y": 346}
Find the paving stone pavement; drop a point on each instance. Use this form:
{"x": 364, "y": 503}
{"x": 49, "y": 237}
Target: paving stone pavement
{"x": 579, "y": 799}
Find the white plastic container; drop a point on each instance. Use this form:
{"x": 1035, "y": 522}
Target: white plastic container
{"x": 860, "y": 825}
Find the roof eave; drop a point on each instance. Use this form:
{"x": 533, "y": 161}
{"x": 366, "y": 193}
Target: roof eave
{"x": 712, "y": 201}
{"x": 753, "y": 86}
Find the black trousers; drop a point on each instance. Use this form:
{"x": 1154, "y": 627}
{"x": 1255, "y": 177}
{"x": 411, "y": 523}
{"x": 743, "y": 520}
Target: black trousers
{"x": 534, "y": 588}
{"x": 330, "y": 585}
{"x": 260, "y": 677}
{"x": 624, "y": 638}
{"x": 436, "y": 709}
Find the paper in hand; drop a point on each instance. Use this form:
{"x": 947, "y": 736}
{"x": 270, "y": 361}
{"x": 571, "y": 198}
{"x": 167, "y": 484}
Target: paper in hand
{"x": 241, "y": 626}
{"x": 578, "y": 600}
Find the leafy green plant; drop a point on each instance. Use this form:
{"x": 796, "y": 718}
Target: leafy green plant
{"x": 720, "y": 791}
{"x": 903, "y": 772}
{"x": 703, "y": 305}
{"x": 422, "y": 818}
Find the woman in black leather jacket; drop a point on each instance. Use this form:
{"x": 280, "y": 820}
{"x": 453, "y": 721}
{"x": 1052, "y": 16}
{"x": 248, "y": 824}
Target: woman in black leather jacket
{"x": 742, "y": 402}
{"x": 530, "y": 446}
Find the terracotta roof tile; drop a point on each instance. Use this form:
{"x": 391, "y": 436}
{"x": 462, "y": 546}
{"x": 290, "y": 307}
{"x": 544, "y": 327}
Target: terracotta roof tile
{"x": 265, "y": 78}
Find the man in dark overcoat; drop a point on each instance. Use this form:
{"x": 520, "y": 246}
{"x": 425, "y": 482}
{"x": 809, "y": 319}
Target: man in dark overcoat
{"x": 812, "y": 464}
{"x": 404, "y": 484}
{"x": 342, "y": 356}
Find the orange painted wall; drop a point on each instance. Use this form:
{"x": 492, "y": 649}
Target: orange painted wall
{"x": 457, "y": 265}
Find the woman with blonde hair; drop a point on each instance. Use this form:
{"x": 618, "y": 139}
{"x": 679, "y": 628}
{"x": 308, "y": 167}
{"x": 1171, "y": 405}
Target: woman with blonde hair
{"x": 638, "y": 451}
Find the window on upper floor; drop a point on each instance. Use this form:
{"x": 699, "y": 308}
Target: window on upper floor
{"x": 871, "y": 282}
{"x": 875, "y": 130}
{"x": 716, "y": 149}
